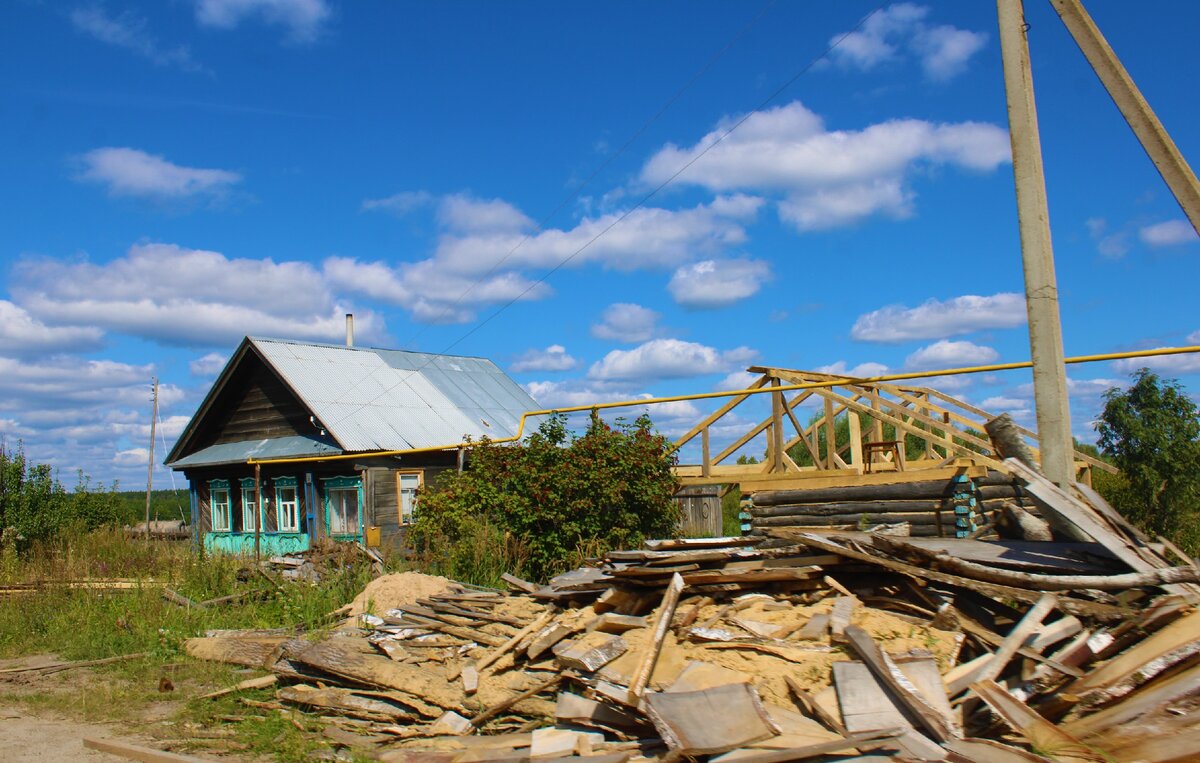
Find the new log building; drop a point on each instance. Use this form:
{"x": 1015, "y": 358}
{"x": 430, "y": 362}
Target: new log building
{"x": 286, "y": 446}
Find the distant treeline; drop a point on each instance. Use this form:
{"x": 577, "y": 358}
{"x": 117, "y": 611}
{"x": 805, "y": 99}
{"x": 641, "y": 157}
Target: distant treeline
{"x": 35, "y": 505}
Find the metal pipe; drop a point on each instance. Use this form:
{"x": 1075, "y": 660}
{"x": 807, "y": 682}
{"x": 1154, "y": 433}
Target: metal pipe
{"x": 349, "y": 329}
{"x": 733, "y": 393}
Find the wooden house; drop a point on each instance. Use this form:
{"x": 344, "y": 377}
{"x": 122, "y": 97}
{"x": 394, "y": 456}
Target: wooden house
{"x": 296, "y": 441}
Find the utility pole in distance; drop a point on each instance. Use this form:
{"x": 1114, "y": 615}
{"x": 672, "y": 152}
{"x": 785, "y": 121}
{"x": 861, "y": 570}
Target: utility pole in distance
{"x": 1037, "y": 252}
{"x": 150, "y": 467}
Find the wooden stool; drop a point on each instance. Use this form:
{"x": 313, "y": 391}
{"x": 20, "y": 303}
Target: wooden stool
{"x": 882, "y": 448}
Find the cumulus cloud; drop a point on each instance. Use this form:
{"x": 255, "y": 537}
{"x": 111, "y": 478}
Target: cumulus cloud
{"x": 130, "y": 172}
{"x": 947, "y": 354}
{"x": 219, "y": 301}
{"x": 21, "y": 334}
{"x": 130, "y": 32}
{"x": 943, "y": 51}
{"x": 553, "y": 358}
{"x": 207, "y": 366}
{"x": 860, "y": 371}
{"x": 668, "y": 359}
{"x": 303, "y": 19}
{"x": 626, "y": 322}
{"x": 399, "y": 203}
{"x": 737, "y": 380}
{"x": 828, "y": 177}
{"x": 1002, "y": 404}
{"x": 485, "y": 247}
{"x": 1167, "y": 364}
{"x": 1113, "y": 245}
{"x": 717, "y": 283}
{"x": 936, "y": 319}
{"x": 1169, "y": 233}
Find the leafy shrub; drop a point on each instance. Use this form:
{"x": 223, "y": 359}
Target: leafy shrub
{"x": 551, "y": 499}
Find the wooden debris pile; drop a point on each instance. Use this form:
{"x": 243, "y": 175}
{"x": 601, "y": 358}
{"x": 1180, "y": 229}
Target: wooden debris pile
{"x": 805, "y": 647}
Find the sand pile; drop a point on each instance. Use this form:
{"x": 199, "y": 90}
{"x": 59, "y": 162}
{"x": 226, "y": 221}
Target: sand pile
{"x": 395, "y": 591}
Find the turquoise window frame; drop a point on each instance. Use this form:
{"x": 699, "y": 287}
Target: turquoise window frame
{"x": 342, "y": 483}
{"x": 247, "y": 483}
{"x": 223, "y": 485}
{"x": 291, "y": 483}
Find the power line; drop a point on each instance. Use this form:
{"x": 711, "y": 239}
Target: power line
{"x": 833, "y": 45}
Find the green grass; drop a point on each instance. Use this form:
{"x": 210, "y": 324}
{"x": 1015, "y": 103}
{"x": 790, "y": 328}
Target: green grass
{"x": 78, "y": 624}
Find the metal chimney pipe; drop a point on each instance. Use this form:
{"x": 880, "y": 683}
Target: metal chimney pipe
{"x": 349, "y": 329}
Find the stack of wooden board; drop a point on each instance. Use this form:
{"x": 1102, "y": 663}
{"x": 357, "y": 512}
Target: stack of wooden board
{"x": 802, "y": 647}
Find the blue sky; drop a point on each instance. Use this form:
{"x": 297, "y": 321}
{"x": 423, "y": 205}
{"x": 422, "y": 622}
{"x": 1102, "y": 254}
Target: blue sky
{"x": 504, "y": 180}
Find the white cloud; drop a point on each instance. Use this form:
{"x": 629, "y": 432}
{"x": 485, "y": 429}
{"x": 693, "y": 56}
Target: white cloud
{"x": 667, "y": 359}
{"x": 828, "y": 177}
{"x": 1000, "y": 404}
{"x": 465, "y": 214}
{"x": 1169, "y": 233}
{"x": 130, "y": 172}
{"x": 626, "y": 322}
{"x": 943, "y": 51}
{"x": 218, "y": 302}
{"x": 21, "y": 334}
{"x": 129, "y": 31}
{"x": 1194, "y": 337}
{"x": 737, "y": 380}
{"x": 717, "y": 283}
{"x": 207, "y": 366}
{"x": 1170, "y": 364}
{"x": 1113, "y": 246}
{"x": 947, "y": 354}
{"x": 399, "y": 203}
{"x": 936, "y": 319}
{"x": 132, "y": 457}
{"x": 432, "y": 294}
{"x": 488, "y": 240}
{"x": 553, "y": 358}
{"x": 860, "y": 371}
{"x": 303, "y": 19}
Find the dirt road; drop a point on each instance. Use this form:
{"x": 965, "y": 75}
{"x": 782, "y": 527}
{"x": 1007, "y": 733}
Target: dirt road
{"x": 26, "y": 738}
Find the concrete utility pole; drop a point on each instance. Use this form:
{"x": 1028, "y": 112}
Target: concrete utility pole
{"x": 150, "y": 467}
{"x": 1037, "y": 253}
{"x": 1141, "y": 118}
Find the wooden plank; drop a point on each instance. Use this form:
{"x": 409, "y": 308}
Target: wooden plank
{"x": 1041, "y": 733}
{"x": 137, "y": 752}
{"x": 1182, "y": 686}
{"x": 713, "y": 417}
{"x": 711, "y": 721}
{"x": 262, "y": 682}
{"x": 251, "y": 653}
{"x": 1017, "y": 637}
{"x": 839, "y": 617}
{"x": 488, "y": 659}
{"x": 662, "y": 623}
{"x": 931, "y": 720}
{"x": 845, "y": 477}
{"x": 1000, "y": 592}
{"x": 864, "y": 704}
{"x": 1135, "y": 666}
{"x": 1076, "y": 519}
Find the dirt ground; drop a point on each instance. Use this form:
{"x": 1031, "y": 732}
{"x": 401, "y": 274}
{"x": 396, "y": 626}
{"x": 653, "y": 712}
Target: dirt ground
{"x": 26, "y": 738}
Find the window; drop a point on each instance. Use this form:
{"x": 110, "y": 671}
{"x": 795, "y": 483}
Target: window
{"x": 218, "y": 500}
{"x": 343, "y": 502}
{"x": 407, "y": 485}
{"x": 287, "y": 505}
{"x": 249, "y": 506}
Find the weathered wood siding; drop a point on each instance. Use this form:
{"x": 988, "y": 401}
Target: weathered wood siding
{"x": 254, "y": 405}
{"x": 701, "y": 509}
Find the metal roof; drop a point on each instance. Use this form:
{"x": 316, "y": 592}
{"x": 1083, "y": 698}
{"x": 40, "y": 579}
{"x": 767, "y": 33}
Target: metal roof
{"x": 240, "y": 452}
{"x": 374, "y": 399}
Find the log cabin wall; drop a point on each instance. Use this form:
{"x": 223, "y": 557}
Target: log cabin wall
{"x": 941, "y": 508}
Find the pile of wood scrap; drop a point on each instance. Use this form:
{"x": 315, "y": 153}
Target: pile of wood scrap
{"x": 806, "y": 647}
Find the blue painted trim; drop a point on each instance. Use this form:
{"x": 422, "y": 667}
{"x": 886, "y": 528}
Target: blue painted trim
{"x": 343, "y": 483}
{"x": 194, "y": 500}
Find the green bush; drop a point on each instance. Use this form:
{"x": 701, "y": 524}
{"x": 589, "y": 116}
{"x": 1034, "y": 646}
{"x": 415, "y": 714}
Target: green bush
{"x": 550, "y": 500}
{"x": 34, "y": 505}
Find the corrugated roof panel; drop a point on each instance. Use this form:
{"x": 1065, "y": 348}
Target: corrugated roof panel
{"x": 240, "y": 452}
{"x": 371, "y": 399}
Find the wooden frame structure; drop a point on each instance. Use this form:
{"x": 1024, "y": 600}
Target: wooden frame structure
{"x": 947, "y": 431}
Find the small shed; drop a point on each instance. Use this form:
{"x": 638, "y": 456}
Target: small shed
{"x": 286, "y": 446}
